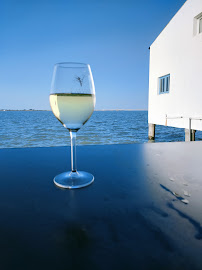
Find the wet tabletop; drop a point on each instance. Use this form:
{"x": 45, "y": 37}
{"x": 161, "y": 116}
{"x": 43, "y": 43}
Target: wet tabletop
{"x": 144, "y": 210}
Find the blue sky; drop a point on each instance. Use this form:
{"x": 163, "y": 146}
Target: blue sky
{"x": 113, "y": 36}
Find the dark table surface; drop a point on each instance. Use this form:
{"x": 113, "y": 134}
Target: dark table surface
{"x": 144, "y": 210}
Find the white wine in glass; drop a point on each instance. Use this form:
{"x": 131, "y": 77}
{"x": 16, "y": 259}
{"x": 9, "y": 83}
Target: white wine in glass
{"x": 72, "y": 110}
{"x": 72, "y": 101}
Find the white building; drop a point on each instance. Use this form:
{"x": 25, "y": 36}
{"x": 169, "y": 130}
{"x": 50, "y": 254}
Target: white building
{"x": 175, "y": 79}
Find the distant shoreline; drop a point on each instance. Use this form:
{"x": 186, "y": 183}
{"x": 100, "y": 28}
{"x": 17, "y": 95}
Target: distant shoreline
{"x": 121, "y": 110}
{"x": 32, "y": 110}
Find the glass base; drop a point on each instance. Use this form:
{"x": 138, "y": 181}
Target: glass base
{"x": 73, "y": 179}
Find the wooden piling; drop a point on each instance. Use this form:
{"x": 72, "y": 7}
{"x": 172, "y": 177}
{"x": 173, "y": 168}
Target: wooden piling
{"x": 189, "y": 135}
{"x": 151, "y": 131}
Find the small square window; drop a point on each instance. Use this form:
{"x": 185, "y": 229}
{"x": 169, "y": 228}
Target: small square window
{"x": 164, "y": 84}
{"x": 197, "y": 29}
{"x": 200, "y": 25}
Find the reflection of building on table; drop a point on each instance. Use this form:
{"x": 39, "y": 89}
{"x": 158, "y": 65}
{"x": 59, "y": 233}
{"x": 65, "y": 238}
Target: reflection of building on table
{"x": 175, "y": 89}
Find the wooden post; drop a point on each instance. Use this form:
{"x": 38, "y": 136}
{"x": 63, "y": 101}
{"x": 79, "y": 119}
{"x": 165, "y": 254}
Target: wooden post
{"x": 188, "y": 136}
{"x": 193, "y": 134}
{"x": 151, "y": 131}
{"x": 189, "y": 133}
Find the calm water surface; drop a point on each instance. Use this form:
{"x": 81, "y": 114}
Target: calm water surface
{"x": 41, "y": 128}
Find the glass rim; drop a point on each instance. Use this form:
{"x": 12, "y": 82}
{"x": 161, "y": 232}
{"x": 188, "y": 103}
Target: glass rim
{"x": 71, "y": 65}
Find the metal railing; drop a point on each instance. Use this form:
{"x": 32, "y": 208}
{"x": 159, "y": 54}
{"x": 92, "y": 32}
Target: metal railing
{"x": 180, "y": 117}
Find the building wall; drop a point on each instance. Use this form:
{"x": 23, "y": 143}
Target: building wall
{"x": 178, "y": 51}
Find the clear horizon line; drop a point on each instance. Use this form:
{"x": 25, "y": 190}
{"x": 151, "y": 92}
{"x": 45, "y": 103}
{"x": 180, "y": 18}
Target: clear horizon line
{"x": 94, "y": 110}
{"x": 122, "y": 110}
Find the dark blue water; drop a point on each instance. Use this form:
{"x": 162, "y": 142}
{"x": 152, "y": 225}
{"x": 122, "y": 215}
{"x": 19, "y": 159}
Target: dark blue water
{"x": 41, "y": 128}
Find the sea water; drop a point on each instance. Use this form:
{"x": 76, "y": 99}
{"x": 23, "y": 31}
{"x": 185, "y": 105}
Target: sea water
{"x": 42, "y": 129}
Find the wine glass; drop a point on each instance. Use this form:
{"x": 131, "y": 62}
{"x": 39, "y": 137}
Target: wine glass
{"x": 72, "y": 101}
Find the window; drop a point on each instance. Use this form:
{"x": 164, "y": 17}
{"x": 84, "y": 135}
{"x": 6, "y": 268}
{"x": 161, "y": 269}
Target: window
{"x": 200, "y": 25}
{"x": 164, "y": 84}
{"x": 197, "y": 24}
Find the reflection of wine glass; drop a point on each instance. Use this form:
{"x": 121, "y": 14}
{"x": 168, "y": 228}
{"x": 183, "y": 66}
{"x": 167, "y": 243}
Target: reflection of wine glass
{"x": 72, "y": 101}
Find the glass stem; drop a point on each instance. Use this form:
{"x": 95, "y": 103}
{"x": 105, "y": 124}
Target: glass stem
{"x": 73, "y": 150}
